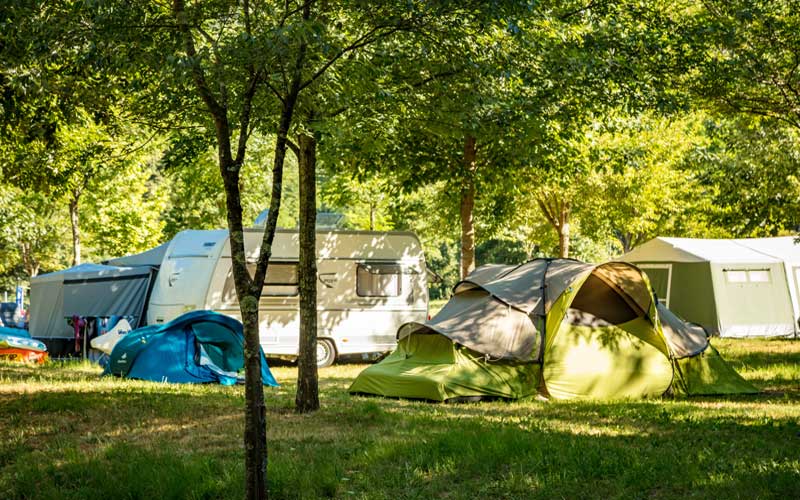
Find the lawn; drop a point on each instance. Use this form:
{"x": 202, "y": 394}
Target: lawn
{"x": 67, "y": 433}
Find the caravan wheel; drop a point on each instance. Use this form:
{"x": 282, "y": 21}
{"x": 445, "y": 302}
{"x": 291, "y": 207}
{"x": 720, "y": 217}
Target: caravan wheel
{"x": 326, "y": 353}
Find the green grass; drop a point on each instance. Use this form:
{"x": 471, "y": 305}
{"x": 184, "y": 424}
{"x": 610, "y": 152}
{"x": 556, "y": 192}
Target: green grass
{"x": 67, "y": 433}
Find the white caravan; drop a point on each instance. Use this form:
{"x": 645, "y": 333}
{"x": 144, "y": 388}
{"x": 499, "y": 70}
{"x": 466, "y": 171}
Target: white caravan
{"x": 369, "y": 283}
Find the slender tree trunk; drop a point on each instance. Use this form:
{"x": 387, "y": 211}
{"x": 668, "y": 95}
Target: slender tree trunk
{"x": 467, "y": 209}
{"x": 28, "y": 260}
{"x": 307, "y": 397}
{"x": 76, "y": 230}
{"x": 371, "y": 215}
{"x": 248, "y": 289}
{"x": 563, "y": 241}
{"x": 557, "y": 212}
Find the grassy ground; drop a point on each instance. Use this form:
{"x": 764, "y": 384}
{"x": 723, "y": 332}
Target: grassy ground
{"x": 66, "y": 433}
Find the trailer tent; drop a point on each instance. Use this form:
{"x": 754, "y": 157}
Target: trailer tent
{"x": 734, "y": 288}
{"x": 87, "y": 290}
{"x": 558, "y": 328}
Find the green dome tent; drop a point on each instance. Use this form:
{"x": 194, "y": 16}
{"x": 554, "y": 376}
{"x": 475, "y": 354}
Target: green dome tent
{"x": 553, "y": 327}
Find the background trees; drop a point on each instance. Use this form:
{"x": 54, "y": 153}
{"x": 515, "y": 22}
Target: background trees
{"x": 497, "y": 131}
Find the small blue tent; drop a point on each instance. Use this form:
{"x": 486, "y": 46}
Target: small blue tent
{"x": 197, "y": 347}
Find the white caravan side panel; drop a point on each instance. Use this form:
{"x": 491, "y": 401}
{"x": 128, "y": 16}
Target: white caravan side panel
{"x": 185, "y": 274}
{"x": 356, "y": 324}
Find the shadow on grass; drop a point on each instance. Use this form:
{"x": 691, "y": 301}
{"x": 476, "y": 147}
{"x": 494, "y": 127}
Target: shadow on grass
{"x": 530, "y": 459}
{"x": 120, "y": 439}
{"x": 375, "y": 448}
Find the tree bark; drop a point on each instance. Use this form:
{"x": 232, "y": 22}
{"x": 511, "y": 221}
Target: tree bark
{"x": 371, "y": 215}
{"x": 467, "y": 208}
{"x": 248, "y": 289}
{"x": 28, "y": 260}
{"x": 76, "y": 230}
{"x": 625, "y": 239}
{"x": 557, "y": 212}
{"x": 563, "y": 240}
{"x": 307, "y": 397}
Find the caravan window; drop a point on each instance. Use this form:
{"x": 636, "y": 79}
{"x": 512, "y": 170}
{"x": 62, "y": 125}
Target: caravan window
{"x": 378, "y": 280}
{"x": 281, "y": 281}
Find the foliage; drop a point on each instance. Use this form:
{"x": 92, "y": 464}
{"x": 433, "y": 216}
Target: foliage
{"x": 188, "y": 443}
{"x": 745, "y": 56}
{"x": 751, "y": 167}
{"x": 197, "y": 200}
{"x": 33, "y": 233}
{"x": 639, "y": 184}
{"x": 123, "y": 211}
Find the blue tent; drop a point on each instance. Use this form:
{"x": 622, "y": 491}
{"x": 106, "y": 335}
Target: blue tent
{"x": 197, "y": 347}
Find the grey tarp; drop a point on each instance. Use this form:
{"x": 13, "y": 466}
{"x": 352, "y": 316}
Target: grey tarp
{"x": 152, "y": 257}
{"x": 87, "y": 290}
{"x": 481, "y": 322}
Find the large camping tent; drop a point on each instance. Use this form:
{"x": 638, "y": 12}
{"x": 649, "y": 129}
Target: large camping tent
{"x": 558, "y": 328}
{"x": 196, "y": 347}
{"x": 734, "y": 288}
{"x": 87, "y": 290}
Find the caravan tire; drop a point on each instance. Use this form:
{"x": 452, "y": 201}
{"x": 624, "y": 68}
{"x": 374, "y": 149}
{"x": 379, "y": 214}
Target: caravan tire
{"x": 326, "y": 353}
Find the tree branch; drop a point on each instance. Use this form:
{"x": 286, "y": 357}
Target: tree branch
{"x": 365, "y": 39}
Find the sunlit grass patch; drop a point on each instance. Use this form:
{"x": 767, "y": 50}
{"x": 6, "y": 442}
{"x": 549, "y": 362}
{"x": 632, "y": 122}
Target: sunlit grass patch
{"x": 68, "y": 433}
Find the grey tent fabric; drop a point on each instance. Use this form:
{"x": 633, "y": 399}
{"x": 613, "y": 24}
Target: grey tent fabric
{"x": 499, "y": 310}
{"x": 152, "y": 257}
{"x": 522, "y": 286}
{"x": 47, "y": 308}
{"x": 684, "y": 339}
{"x": 488, "y": 273}
{"x": 87, "y": 290}
{"x": 475, "y": 319}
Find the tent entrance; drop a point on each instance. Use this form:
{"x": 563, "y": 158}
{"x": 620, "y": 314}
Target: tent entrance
{"x": 661, "y": 279}
{"x": 607, "y": 345}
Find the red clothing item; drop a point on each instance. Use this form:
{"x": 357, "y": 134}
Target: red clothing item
{"x": 77, "y": 325}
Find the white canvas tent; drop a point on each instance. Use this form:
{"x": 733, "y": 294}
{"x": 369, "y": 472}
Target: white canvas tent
{"x": 734, "y": 287}
{"x": 87, "y": 290}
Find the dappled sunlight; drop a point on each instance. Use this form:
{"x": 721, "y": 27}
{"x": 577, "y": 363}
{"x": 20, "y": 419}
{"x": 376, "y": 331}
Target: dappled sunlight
{"x": 67, "y": 418}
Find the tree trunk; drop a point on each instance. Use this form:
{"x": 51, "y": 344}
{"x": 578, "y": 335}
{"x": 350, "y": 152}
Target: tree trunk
{"x": 563, "y": 241}
{"x": 307, "y": 397}
{"x": 467, "y": 209}
{"x": 626, "y": 240}
{"x": 28, "y": 260}
{"x": 556, "y": 211}
{"x": 563, "y": 230}
{"x": 371, "y": 215}
{"x": 76, "y": 230}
